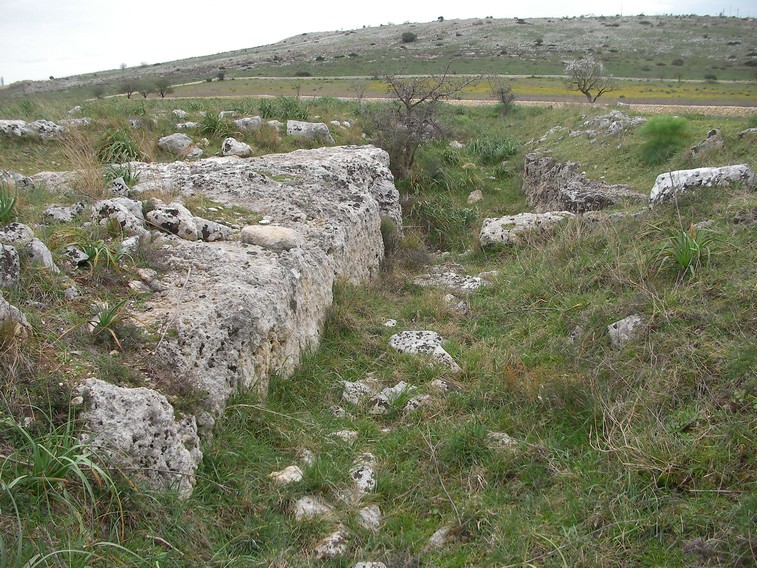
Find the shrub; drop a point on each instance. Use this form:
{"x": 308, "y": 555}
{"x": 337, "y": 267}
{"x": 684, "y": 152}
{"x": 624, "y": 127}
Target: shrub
{"x": 303, "y": 74}
{"x": 663, "y": 137}
{"x": 291, "y": 109}
{"x": 409, "y": 37}
{"x": 710, "y": 78}
{"x": 266, "y": 108}
{"x": 117, "y": 146}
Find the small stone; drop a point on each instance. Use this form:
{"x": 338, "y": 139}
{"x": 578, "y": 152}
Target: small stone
{"x": 348, "y": 436}
{"x": 355, "y": 392}
{"x": 139, "y": 286}
{"x": 334, "y": 545}
{"x": 310, "y": 507}
{"x": 370, "y": 565}
{"x": 390, "y": 323}
{"x": 370, "y": 517}
{"x": 291, "y": 474}
{"x": 306, "y": 457}
{"x": 500, "y": 440}
{"x": 623, "y": 331}
{"x": 475, "y": 196}
{"x": 363, "y": 475}
{"x": 438, "y": 539}
{"x": 337, "y": 411}
{"x": 416, "y": 402}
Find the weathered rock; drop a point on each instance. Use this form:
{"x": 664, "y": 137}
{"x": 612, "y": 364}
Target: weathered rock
{"x": 272, "y": 237}
{"x": 15, "y": 180}
{"x": 475, "y": 196}
{"x": 680, "y": 181}
{"x": 444, "y": 386}
{"x": 714, "y": 139}
{"x": 75, "y": 256}
{"x": 119, "y": 188}
{"x": 174, "y": 218}
{"x": 462, "y": 307}
{"x": 10, "y": 267}
{"x": 210, "y": 231}
{"x": 126, "y": 212}
{"x": 248, "y": 123}
{"x": 334, "y": 545}
{"x": 291, "y": 474}
{"x": 232, "y": 147}
{"x": 356, "y": 392}
{"x": 189, "y": 125}
{"x": 137, "y": 430}
{"x": 180, "y": 114}
{"x": 500, "y": 441}
{"x": 44, "y": 129}
{"x": 610, "y": 124}
{"x": 179, "y": 144}
{"x": 11, "y": 316}
{"x": 41, "y": 254}
{"x": 440, "y": 538}
{"x": 390, "y": 323}
{"x": 275, "y": 124}
{"x": 16, "y": 234}
{"x": 623, "y": 331}
{"x": 346, "y": 436}
{"x": 456, "y": 145}
{"x": 416, "y": 402}
{"x": 550, "y": 185}
{"x": 64, "y": 214}
{"x": 74, "y": 110}
{"x": 424, "y": 343}
{"x": 370, "y": 517}
{"x": 81, "y": 122}
{"x": 311, "y": 507}
{"x": 363, "y": 476}
{"x": 237, "y": 312}
{"x": 513, "y": 229}
{"x": 748, "y": 133}
{"x": 309, "y": 130}
{"x": 382, "y": 402}
{"x": 447, "y": 276}
{"x": 369, "y": 565}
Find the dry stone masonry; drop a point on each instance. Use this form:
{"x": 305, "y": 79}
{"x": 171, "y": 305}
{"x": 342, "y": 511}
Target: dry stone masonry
{"x": 239, "y": 309}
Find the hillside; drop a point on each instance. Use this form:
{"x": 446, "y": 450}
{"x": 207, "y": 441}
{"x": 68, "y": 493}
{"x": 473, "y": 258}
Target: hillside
{"x": 244, "y": 328}
{"x": 659, "y": 47}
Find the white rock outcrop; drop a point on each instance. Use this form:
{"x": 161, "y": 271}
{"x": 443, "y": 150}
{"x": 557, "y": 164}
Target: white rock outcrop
{"x": 44, "y": 129}
{"x": 238, "y": 311}
{"x": 424, "y": 343}
{"x": 623, "y": 331}
{"x": 680, "y": 181}
{"x": 233, "y": 147}
{"x": 180, "y": 144}
{"x": 512, "y": 229}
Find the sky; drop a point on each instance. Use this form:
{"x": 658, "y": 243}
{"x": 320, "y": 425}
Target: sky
{"x": 43, "y": 38}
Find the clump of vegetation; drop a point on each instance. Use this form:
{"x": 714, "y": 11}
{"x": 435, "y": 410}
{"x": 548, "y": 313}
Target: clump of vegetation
{"x": 214, "y": 125}
{"x": 663, "y": 137}
{"x": 117, "y": 146}
{"x": 493, "y": 149}
{"x": 685, "y": 249}
{"x": 129, "y": 173}
{"x": 7, "y": 204}
{"x": 408, "y": 37}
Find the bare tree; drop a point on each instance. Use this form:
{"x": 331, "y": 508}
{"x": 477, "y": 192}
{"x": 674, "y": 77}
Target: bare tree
{"x": 163, "y": 86}
{"x": 413, "y": 118}
{"x": 359, "y": 87}
{"x": 587, "y": 75}
{"x": 502, "y": 91}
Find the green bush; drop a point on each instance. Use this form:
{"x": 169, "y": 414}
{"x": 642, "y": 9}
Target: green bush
{"x": 213, "y": 125}
{"x": 663, "y": 137}
{"x": 409, "y": 37}
{"x": 117, "y": 146}
{"x": 291, "y": 109}
{"x": 494, "y": 149}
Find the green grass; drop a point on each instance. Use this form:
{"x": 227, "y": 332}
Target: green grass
{"x": 636, "y": 456}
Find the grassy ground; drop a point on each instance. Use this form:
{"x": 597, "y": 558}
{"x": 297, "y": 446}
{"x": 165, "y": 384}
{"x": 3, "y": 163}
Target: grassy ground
{"x": 640, "y": 456}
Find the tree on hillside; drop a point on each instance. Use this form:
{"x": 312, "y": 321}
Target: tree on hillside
{"x": 144, "y": 88}
{"x": 414, "y": 117}
{"x": 502, "y": 90}
{"x": 128, "y": 87}
{"x": 163, "y": 86}
{"x": 587, "y": 75}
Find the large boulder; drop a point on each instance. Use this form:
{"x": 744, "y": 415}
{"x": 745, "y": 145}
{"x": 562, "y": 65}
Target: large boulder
{"x": 550, "y": 185}
{"x": 174, "y": 218}
{"x": 180, "y": 144}
{"x": 680, "y": 181}
{"x": 233, "y": 147}
{"x": 125, "y": 211}
{"x": 16, "y": 234}
{"x": 309, "y": 130}
{"x": 513, "y": 229}
{"x": 139, "y": 432}
{"x": 248, "y": 123}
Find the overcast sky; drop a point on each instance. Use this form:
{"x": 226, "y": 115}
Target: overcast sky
{"x": 40, "y": 38}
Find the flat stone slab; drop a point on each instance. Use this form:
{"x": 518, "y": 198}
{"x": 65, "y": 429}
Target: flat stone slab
{"x": 680, "y": 181}
{"x": 512, "y": 229}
